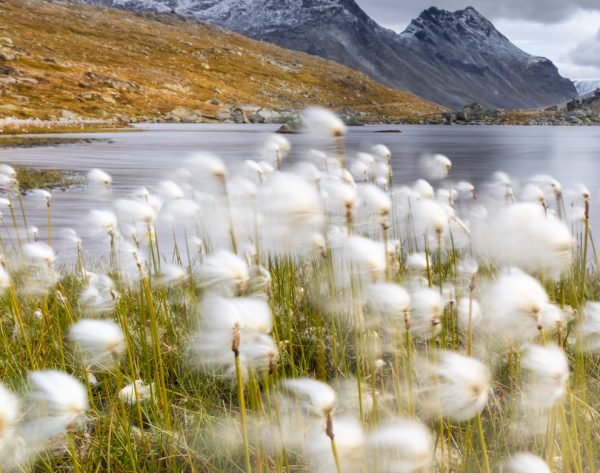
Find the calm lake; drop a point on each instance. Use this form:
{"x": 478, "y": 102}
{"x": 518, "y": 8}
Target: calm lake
{"x": 570, "y": 154}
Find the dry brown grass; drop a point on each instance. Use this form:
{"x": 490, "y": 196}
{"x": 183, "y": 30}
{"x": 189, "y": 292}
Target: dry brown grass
{"x": 144, "y": 66}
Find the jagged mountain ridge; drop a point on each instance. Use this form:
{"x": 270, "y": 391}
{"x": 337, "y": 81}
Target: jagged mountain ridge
{"x": 586, "y": 86}
{"x": 452, "y": 58}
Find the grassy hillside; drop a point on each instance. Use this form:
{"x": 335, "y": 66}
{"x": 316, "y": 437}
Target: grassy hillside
{"x": 101, "y": 63}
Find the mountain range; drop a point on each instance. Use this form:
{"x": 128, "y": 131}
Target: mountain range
{"x": 63, "y": 59}
{"x": 586, "y": 86}
{"x": 452, "y": 58}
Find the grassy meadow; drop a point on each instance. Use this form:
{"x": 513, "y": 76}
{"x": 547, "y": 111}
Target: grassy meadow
{"x": 306, "y": 316}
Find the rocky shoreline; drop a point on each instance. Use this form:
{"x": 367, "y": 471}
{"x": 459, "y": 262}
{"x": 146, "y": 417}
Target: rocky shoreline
{"x": 578, "y": 112}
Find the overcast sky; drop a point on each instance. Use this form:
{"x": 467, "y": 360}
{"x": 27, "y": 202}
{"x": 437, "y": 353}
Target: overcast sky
{"x": 565, "y": 31}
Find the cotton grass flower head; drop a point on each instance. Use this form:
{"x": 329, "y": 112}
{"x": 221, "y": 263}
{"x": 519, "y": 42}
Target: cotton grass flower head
{"x": 546, "y": 375}
{"x": 523, "y": 235}
{"x": 99, "y": 295}
{"x": 224, "y": 272}
{"x": 365, "y": 255}
{"x": 243, "y": 322}
{"x": 467, "y": 306}
{"x": 524, "y": 463}
{"x": 135, "y": 392}
{"x": 389, "y": 304}
{"x": 172, "y": 275}
{"x": 513, "y": 307}
{"x": 322, "y": 121}
{"x": 10, "y": 415}
{"x": 350, "y": 446}
{"x": 588, "y": 329}
{"x": 5, "y": 281}
{"x": 453, "y": 387}
{"x": 103, "y": 222}
{"x": 170, "y": 190}
{"x": 382, "y": 152}
{"x": 42, "y": 195}
{"x": 437, "y": 166}
{"x": 427, "y": 309}
{"x": 401, "y": 446}
{"x": 100, "y": 342}
{"x": 40, "y": 254}
{"x": 62, "y": 398}
{"x": 99, "y": 178}
{"x": 314, "y": 396}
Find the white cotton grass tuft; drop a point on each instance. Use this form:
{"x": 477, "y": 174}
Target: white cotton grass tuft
{"x": 382, "y": 152}
{"x": 172, "y": 275}
{"x": 417, "y": 261}
{"x": 322, "y": 121}
{"x": 99, "y": 295}
{"x": 453, "y": 386}
{"x": 103, "y": 222}
{"x": 523, "y": 235}
{"x": 59, "y": 397}
{"x": 427, "y": 309}
{"x": 401, "y": 445}
{"x": 224, "y": 272}
{"x": 436, "y": 166}
{"x": 171, "y": 190}
{"x": 5, "y": 280}
{"x": 39, "y": 253}
{"x": 314, "y": 396}
{"x": 588, "y": 329}
{"x": 135, "y": 392}
{"x": 99, "y": 178}
{"x": 512, "y": 307}
{"x": 350, "y": 446}
{"x": 10, "y": 415}
{"x": 546, "y": 371}
{"x": 243, "y": 321}
{"x": 291, "y": 212}
{"x": 430, "y": 219}
{"x": 100, "y": 342}
{"x": 389, "y": 303}
{"x": 466, "y": 308}
{"x": 524, "y": 463}
{"x": 366, "y": 257}
{"x": 375, "y": 200}
{"x": 42, "y": 195}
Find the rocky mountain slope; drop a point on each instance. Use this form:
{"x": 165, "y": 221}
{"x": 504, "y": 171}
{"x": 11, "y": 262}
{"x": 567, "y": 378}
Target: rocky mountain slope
{"x": 452, "y": 58}
{"x": 60, "y": 59}
{"x": 586, "y": 86}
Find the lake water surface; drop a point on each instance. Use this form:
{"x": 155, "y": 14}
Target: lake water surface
{"x": 570, "y": 154}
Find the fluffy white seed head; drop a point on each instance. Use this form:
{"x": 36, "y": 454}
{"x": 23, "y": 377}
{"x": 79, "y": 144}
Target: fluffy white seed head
{"x": 100, "y": 342}
{"x": 323, "y": 121}
{"x": 97, "y": 177}
{"x": 465, "y": 307}
{"x": 513, "y": 307}
{"x": 454, "y": 387}
{"x": 547, "y": 373}
{"x": 389, "y": 303}
{"x": 588, "y": 329}
{"x": 524, "y": 463}
{"x": 402, "y": 445}
{"x": 315, "y": 396}
{"x": 135, "y": 392}
{"x": 427, "y": 309}
{"x": 39, "y": 253}
{"x": 382, "y": 152}
{"x": 59, "y": 395}
{"x": 224, "y": 272}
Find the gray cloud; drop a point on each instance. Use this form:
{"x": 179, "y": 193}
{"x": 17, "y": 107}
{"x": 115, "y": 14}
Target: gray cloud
{"x": 587, "y": 53}
{"x": 398, "y": 12}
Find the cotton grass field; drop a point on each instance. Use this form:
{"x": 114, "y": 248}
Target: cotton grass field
{"x": 281, "y": 316}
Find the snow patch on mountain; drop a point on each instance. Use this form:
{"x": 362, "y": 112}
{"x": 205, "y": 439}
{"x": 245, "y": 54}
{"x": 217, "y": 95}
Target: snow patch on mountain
{"x": 586, "y": 86}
